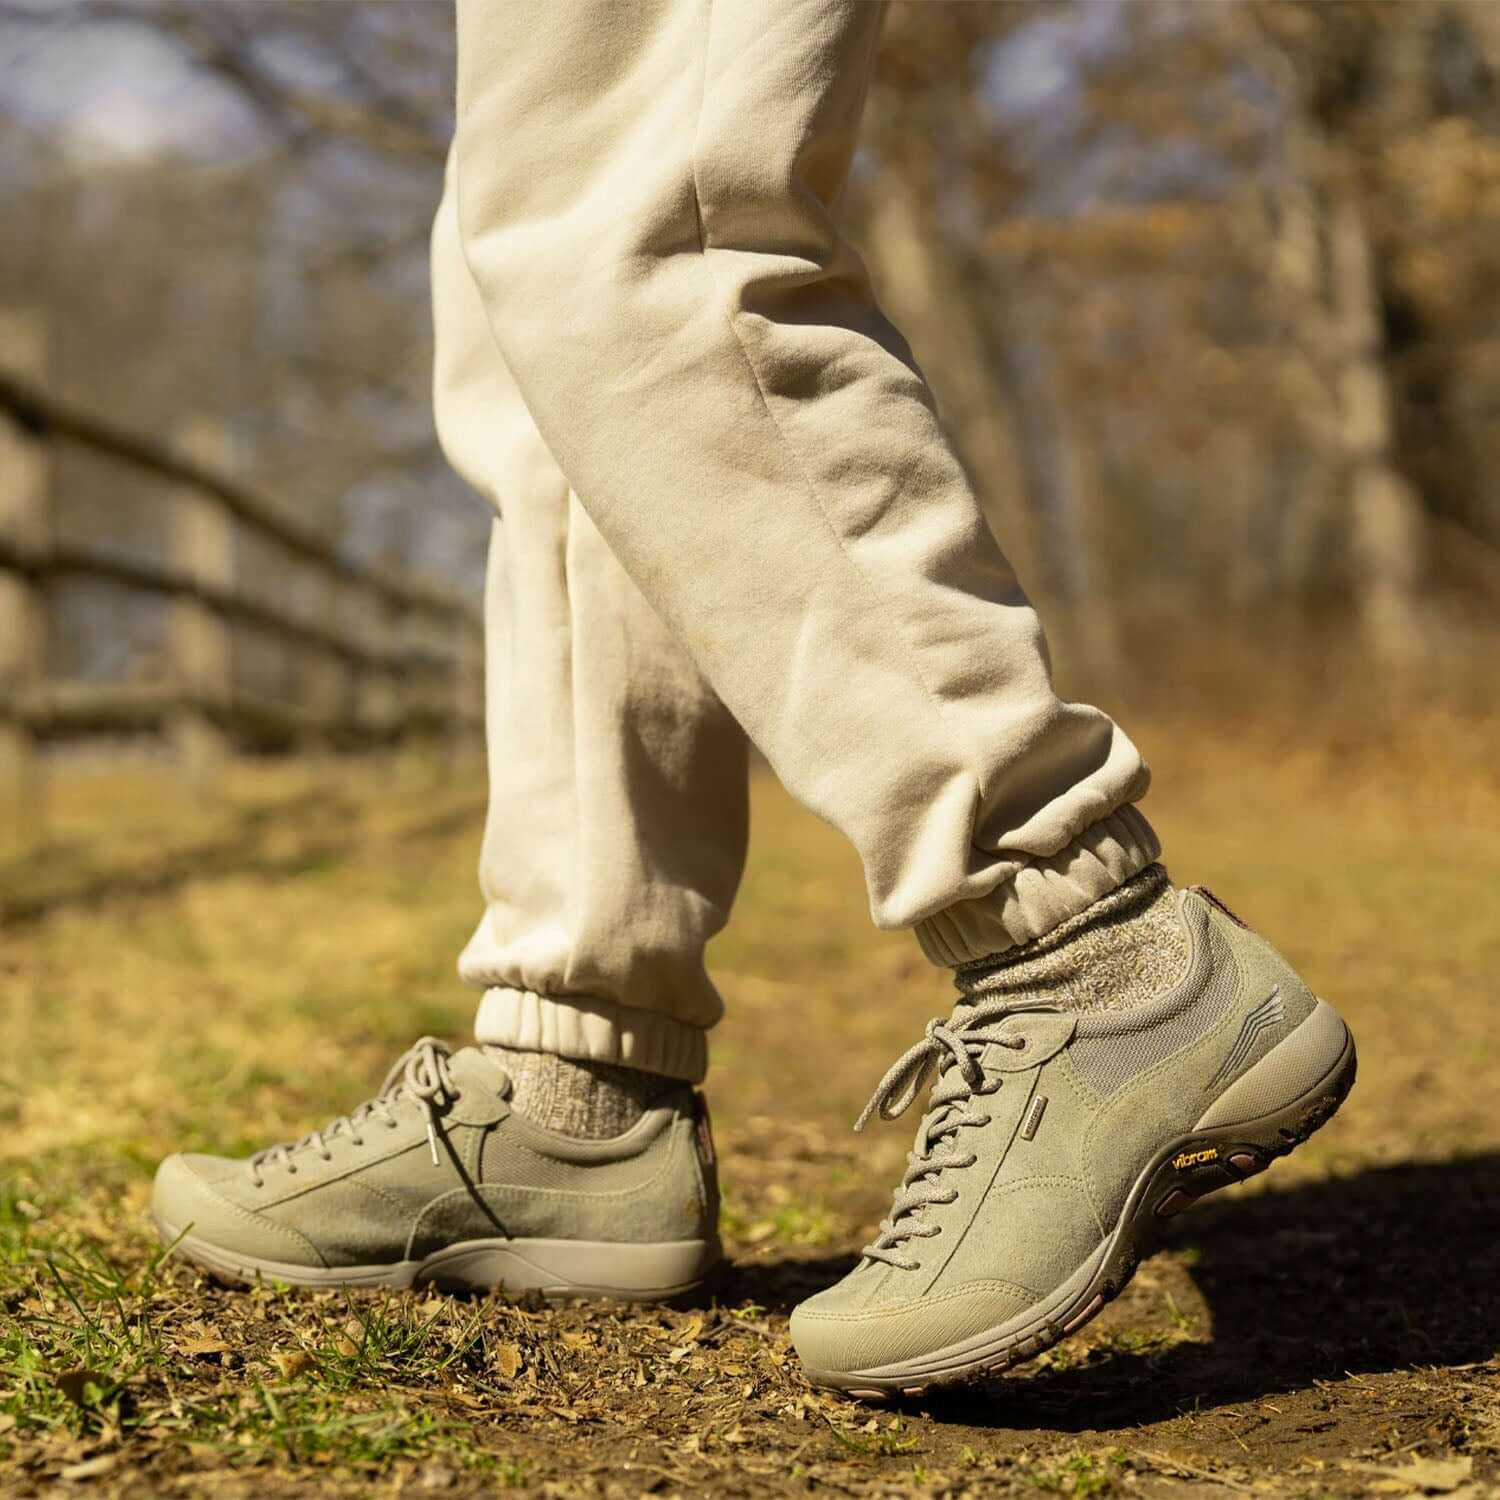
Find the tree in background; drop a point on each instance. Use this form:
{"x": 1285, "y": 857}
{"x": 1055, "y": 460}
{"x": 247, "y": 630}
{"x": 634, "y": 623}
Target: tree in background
{"x": 1209, "y": 289}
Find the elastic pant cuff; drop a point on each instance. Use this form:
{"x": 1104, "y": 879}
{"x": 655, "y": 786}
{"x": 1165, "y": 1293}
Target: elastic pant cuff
{"x": 592, "y": 1030}
{"x": 1043, "y": 893}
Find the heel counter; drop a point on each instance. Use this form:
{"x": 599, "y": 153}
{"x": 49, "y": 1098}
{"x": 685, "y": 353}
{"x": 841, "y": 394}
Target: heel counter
{"x": 705, "y": 1166}
{"x": 1261, "y": 965}
{"x": 686, "y": 1195}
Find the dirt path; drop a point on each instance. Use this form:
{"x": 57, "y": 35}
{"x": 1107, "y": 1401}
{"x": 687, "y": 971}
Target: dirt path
{"x": 1328, "y": 1330}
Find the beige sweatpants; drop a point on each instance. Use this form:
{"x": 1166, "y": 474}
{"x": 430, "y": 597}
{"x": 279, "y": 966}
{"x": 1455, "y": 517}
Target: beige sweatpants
{"x": 726, "y": 509}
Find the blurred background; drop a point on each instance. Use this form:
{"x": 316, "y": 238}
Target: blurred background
{"x": 1210, "y": 294}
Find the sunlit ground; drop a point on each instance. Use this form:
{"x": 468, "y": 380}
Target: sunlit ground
{"x": 1316, "y": 1333}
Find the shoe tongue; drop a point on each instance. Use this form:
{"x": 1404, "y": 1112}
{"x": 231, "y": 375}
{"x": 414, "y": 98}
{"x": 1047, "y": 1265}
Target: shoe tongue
{"x": 472, "y": 1068}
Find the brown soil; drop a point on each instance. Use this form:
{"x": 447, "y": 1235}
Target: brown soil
{"x": 1331, "y": 1329}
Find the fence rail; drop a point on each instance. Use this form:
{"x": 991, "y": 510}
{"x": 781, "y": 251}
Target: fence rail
{"x": 387, "y": 654}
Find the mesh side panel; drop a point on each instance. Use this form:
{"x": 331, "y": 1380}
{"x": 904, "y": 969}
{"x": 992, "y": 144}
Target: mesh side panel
{"x": 1110, "y": 1051}
{"x": 508, "y": 1162}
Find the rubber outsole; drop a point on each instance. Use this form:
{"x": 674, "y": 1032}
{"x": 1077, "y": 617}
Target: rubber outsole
{"x": 557, "y": 1270}
{"x": 1183, "y": 1171}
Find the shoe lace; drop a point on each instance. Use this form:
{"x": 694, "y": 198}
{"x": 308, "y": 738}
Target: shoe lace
{"x": 952, "y": 1048}
{"x": 421, "y": 1073}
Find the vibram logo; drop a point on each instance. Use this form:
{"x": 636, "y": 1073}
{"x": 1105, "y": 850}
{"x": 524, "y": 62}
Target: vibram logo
{"x": 1195, "y": 1158}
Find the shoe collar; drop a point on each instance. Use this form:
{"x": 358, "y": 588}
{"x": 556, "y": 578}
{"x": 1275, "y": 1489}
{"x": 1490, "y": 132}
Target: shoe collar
{"x": 594, "y": 1152}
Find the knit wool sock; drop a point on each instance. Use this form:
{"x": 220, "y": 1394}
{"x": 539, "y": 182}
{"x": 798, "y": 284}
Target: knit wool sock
{"x": 591, "y": 1100}
{"x": 1126, "y": 949}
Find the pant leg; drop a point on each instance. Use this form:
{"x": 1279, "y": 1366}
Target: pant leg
{"x": 645, "y": 198}
{"x": 618, "y": 798}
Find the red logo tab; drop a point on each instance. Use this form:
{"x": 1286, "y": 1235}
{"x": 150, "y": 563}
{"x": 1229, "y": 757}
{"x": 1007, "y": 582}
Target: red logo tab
{"x": 1213, "y": 900}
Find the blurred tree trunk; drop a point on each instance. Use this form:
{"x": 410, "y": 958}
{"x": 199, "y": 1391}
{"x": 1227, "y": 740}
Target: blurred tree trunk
{"x": 938, "y": 173}
{"x": 1387, "y": 524}
{"x": 1058, "y": 462}
{"x": 926, "y": 291}
{"x": 1354, "y": 79}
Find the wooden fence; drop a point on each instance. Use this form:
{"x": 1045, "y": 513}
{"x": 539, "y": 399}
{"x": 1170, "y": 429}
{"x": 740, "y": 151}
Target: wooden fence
{"x": 385, "y": 655}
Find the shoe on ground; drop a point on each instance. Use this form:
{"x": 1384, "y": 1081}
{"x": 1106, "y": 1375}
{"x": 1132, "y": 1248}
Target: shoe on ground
{"x": 437, "y": 1181}
{"x": 1053, "y": 1140}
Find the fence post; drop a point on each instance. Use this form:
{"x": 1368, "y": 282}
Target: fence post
{"x": 202, "y": 549}
{"x": 327, "y": 680}
{"x": 403, "y": 688}
{"x": 25, "y": 531}
{"x": 375, "y": 691}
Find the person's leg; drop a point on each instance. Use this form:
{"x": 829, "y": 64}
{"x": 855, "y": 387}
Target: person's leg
{"x": 645, "y": 197}
{"x": 618, "y": 800}
{"x": 568, "y": 1153}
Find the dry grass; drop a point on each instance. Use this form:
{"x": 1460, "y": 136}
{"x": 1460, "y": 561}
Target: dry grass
{"x": 1314, "y": 1333}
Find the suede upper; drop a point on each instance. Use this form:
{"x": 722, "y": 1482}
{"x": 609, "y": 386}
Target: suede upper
{"x": 374, "y": 1194}
{"x": 1074, "y": 1107}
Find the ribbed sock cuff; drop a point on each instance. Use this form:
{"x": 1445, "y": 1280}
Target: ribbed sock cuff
{"x": 1043, "y": 893}
{"x": 1126, "y": 949}
{"x": 589, "y": 1100}
{"x": 593, "y": 1031}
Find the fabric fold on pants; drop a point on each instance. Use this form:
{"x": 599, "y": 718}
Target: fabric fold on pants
{"x": 593, "y": 1030}
{"x": 641, "y": 204}
{"x": 618, "y": 813}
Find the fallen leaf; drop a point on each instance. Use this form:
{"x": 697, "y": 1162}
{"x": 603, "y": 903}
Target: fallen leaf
{"x": 1425, "y": 1476}
{"x": 91, "y": 1468}
{"x": 203, "y": 1347}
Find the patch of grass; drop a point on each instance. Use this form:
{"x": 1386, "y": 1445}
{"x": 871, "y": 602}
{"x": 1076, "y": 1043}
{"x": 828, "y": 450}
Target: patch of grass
{"x": 1081, "y": 1474}
{"x": 788, "y": 1223}
{"x": 302, "y": 1426}
{"x": 1140, "y": 1342}
{"x": 876, "y": 1441}
{"x": 79, "y": 1335}
{"x": 239, "y": 1007}
{"x": 90, "y": 1348}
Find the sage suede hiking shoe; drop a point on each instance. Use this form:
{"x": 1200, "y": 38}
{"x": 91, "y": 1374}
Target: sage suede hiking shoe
{"x": 1053, "y": 1140}
{"x": 438, "y": 1181}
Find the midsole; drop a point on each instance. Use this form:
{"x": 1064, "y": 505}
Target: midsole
{"x": 523, "y": 1264}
